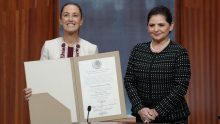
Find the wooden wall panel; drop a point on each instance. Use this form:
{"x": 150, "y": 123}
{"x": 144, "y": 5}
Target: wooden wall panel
{"x": 197, "y": 24}
{"x": 25, "y": 25}
{"x": 218, "y": 58}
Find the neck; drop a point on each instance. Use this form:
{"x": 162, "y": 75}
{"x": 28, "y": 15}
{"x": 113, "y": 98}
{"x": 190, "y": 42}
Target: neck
{"x": 161, "y": 42}
{"x": 157, "y": 47}
{"x": 70, "y": 39}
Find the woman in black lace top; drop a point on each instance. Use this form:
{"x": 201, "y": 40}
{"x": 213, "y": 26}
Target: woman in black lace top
{"x": 158, "y": 74}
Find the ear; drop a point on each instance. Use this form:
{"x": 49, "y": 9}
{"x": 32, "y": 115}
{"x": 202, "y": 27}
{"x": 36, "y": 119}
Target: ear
{"x": 61, "y": 23}
{"x": 147, "y": 28}
{"x": 81, "y": 23}
{"x": 171, "y": 26}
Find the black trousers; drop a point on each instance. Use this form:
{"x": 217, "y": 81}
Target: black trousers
{"x": 184, "y": 121}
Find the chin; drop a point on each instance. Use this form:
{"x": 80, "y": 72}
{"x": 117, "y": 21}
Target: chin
{"x": 71, "y": 31}
{"x": 157, "y": 39}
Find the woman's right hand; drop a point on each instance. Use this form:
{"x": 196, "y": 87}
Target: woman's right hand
{"x": 147, "y": 115}
{"x": 27, "y": 93}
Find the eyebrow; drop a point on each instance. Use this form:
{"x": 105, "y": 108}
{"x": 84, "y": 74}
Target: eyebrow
{"x": 157, "y": 23}
{"x": 69, "y": 12}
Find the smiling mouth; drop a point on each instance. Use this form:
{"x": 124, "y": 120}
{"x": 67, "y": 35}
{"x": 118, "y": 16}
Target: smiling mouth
{"x": 71, "y": 24}
{"x": 157, "y": 34}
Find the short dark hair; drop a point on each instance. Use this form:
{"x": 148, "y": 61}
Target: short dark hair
{"x": 161, "y": 10}
{"x": 71, "y": 3}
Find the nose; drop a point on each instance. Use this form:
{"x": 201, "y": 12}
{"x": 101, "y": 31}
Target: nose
{"x": 156, "y": 28}
{"x": 70, "y": 18}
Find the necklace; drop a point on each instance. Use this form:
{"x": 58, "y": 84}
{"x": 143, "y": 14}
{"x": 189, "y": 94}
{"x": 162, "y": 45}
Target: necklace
{"x": 62, "y": 55}
{"x": 75, "y": 50}
{"x": 161, "y": 48}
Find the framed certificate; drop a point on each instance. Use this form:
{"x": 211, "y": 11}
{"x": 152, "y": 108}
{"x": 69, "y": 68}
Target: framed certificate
{"x": 99, "y": 85}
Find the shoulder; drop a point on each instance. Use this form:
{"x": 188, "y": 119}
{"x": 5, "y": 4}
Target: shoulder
{"x": 87, "y": 48}
{"x": 52, "y": 42}
{"x": 142, "y": 46}
{"x": 51, "y": 49}
{"x": 86, "y": 43}
{"x": 177, "y": 47}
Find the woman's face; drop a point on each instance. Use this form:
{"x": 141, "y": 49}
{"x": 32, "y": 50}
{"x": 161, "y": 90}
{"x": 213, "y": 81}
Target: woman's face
{"x": 159, "y": 28}
{"x": 71, "y": 19}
